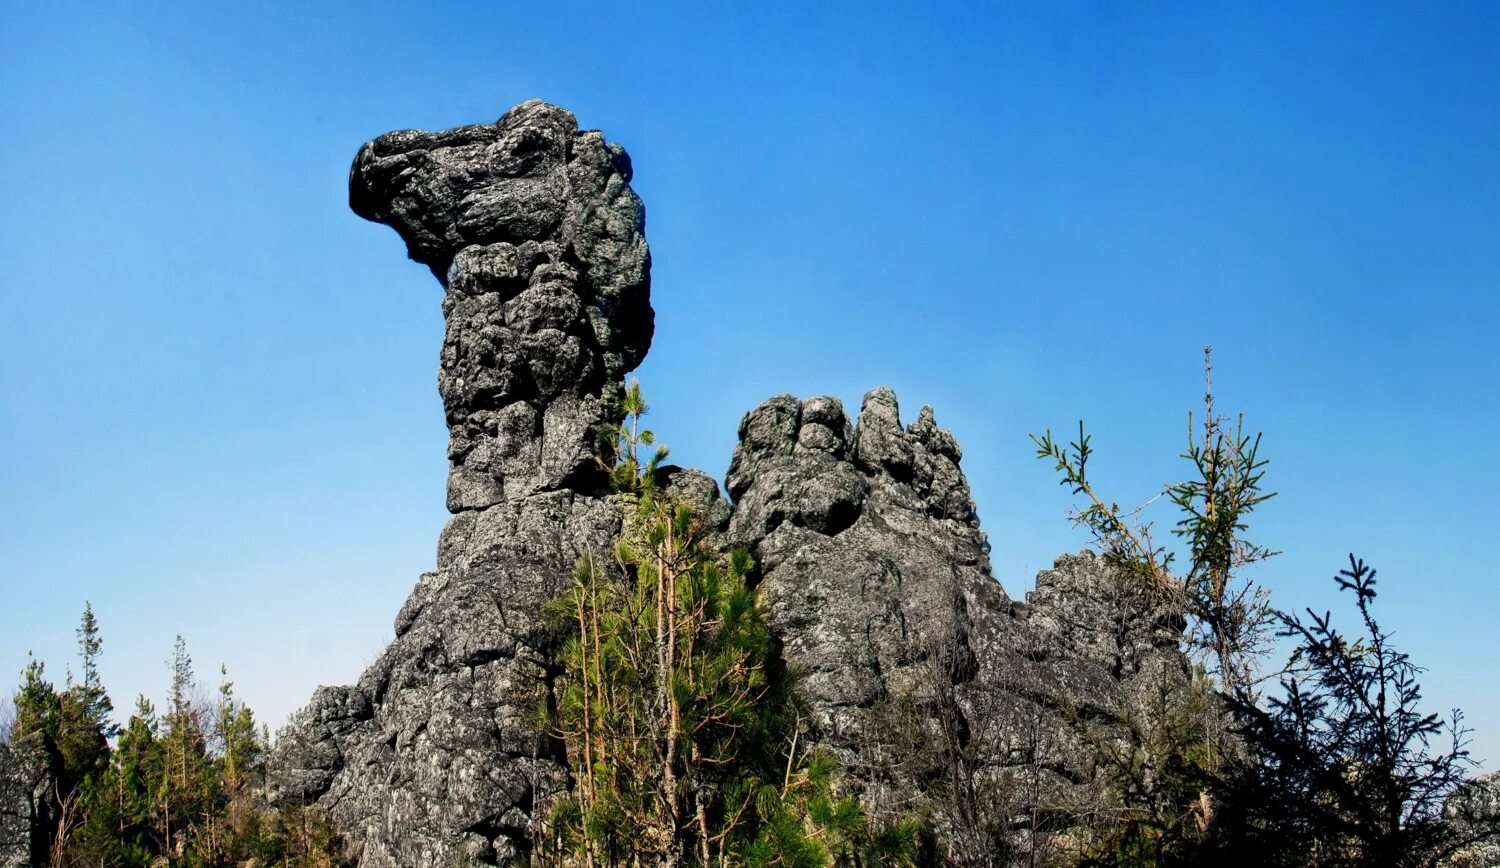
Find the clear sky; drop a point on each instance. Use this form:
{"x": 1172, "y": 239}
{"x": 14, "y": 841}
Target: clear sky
{"x": 218, "y": 404}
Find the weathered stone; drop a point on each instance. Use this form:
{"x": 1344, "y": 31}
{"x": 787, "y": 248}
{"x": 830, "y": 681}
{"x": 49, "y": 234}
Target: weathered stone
{"x": 1474, "y": 812}
{"x": 860, "y": 564}
{"x": 24, "y": 785}
{"x": 876, "y": 579}
{"x": 531, "y": 225}
{"x": 871, "y": 563}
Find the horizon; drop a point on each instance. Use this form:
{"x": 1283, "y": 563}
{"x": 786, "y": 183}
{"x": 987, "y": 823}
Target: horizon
{"x": 219, "y": 406}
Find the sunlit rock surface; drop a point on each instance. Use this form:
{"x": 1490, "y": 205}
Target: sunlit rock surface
{"x": 871, "y": 561}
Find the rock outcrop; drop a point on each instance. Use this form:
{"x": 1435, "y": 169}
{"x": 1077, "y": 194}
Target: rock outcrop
{"x": 871, "y": 561}
{"x": 24, "y": 783}
{"x": 1474, "y": 812}
{"x": 868, "y": 545}
{"x": 534, "y": 231}
{"x": 876, "y": 578}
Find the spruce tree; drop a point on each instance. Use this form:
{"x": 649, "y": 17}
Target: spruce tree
{"x": 1160, "y": 775}
{"x": 36, "y": 703}
{"x": 1229, "y": 615}
{"x": 1345, "y": 767}
{"x": 237, "y": 736}
{"x": 92, "y": 695}
{"x": 71, "y": 728}
{"x": 124, "y": 811}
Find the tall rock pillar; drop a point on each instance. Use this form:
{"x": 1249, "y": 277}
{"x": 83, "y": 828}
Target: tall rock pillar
{"x": 530, "y": 224}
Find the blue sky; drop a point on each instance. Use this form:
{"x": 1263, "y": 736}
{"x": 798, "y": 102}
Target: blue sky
{"x": 218, "y": 405}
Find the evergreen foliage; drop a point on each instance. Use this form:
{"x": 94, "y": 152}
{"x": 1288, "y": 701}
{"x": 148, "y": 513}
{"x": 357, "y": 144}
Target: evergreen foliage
{"x": 686, "y": 745}
{"x": 679, "y": 724}
{"x": 180, "y": 788}
{"x": 1340, "y": 769}
{"x": 1231, "y": 615}
{"x": 1345, "y": 768}
{"x": 1160, "y": 777}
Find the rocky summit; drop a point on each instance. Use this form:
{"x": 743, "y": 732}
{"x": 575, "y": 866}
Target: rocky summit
{"x": 532, "y": 227}
{"x": 872, "y": 566}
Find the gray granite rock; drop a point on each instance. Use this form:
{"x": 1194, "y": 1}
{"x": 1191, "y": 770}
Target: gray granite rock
{"x": 434, "y": 757}
{"x": 23, "y": 787}
{"x": 867, "y": 543}
{"x": 533, "y": 229}
{"x": 1474, "y": 812}
{"x": 876, "y": 578}
{"x": 871, "y": 561}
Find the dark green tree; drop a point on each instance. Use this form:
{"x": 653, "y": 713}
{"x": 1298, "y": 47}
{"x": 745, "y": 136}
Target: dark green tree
{"x": 1345, "y": 768}
{"x": 184, "y": 786}
{"x": 237, "y": 737}
{"x": 92, "y": 697}
{"x": 71, "y": 727}
{"x": 119, "y": 828}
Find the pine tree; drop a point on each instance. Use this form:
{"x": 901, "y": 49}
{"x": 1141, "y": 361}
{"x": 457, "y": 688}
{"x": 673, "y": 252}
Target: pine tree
{"x": 121, "y": 815}
{"x": 84, "y": 725}
{"x": 238, "y": 739}
{"x": 36, "y": 703}
{"x": 678, "y": 721}
{"x": 186, "y": 787}
{"x": 72, "y": 727}
{"x": 665, "y": 694}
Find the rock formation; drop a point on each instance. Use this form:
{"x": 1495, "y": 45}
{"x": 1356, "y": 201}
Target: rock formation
{"x": 872, "y": 565}
{"x": 1473, "y": 811}
{"x": 868, "y": 546}
{"x": 24, "y": 783}
{"x": 534, "y": 231}
{"x": 876, "y": 578}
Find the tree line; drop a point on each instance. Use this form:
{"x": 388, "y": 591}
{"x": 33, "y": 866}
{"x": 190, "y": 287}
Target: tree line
{"x": 181, "y": 785}
{"x": 1327, "y": 759}
{"x": 687, "y": 744}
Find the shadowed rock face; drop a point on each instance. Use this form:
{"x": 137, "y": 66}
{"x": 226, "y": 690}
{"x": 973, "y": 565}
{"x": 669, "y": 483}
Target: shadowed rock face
{"x": 872, "y": 565}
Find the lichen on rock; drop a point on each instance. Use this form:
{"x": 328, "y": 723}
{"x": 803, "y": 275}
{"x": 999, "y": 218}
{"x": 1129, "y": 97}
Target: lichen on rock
{"x": 25, "y": 783}
{"x": 872, "y": 566}
{"x": 532, "y": 228}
